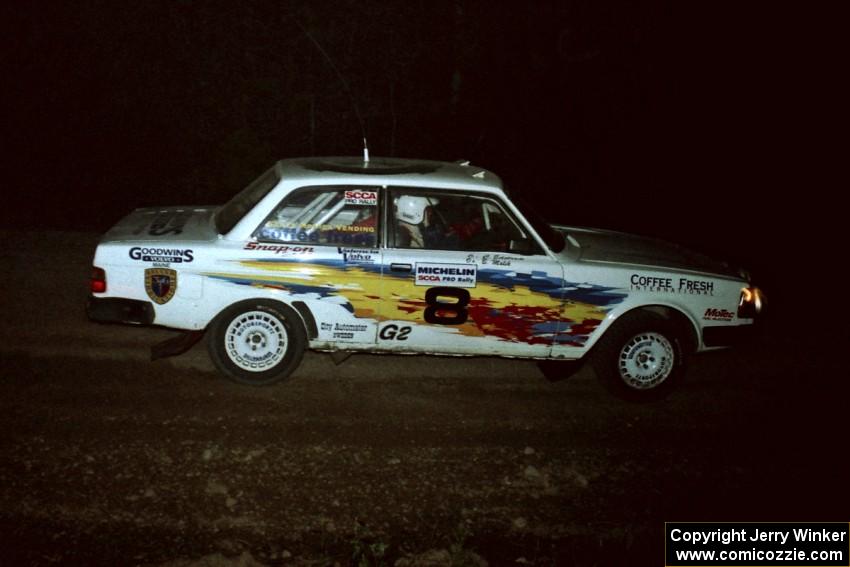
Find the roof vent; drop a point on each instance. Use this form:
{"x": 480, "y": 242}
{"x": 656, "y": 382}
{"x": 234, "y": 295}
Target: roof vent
{"x": 478, "y": 174}
{"x": 462, "y": 162}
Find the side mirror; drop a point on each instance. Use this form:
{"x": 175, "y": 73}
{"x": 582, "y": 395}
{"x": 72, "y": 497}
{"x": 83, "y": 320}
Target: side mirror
{"x": 524, "y": 246}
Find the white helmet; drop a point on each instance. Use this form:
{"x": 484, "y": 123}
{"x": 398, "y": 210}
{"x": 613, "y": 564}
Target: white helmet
{"x": 411, "y": 209}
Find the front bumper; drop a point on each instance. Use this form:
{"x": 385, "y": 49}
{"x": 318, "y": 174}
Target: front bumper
{"x": 119, "y": 310}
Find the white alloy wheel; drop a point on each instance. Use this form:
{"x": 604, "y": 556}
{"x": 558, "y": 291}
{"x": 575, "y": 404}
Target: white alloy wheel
{"x": 646, "y": 360}
{"x": 642, "y": 356}
{"x": 256, "y": 341}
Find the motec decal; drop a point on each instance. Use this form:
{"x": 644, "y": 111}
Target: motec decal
{"x": 160, "y": 284}
{"x": 456, "y": 275}
{"x": 712, "y": 314}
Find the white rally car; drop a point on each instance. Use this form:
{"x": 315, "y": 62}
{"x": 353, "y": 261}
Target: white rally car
{"x": 412, "y": 256}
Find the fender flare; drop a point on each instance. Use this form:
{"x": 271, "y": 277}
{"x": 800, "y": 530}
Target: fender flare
{"x": 299, "y": 308}
{"x": 689, "y": 328}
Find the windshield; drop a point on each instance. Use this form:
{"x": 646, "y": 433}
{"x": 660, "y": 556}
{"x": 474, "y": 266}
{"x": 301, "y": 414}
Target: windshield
{"x": 232, "y": 212}
{"x": 553, "y": 239}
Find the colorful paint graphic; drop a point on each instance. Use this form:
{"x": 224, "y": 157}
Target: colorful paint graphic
{"x": 356, "y": 287}
{"x": 506, "y": 304}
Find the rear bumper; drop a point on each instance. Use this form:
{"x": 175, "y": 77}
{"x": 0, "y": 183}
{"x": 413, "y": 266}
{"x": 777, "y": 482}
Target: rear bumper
{"x": 727, "y": 335}
{"x": 119, "y": 310}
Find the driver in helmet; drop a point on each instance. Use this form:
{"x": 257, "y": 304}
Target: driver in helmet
{"x": 413, "y": 214}
{"x": 420, "y": 224}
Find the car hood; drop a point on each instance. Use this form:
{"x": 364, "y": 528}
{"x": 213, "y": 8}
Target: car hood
{"x": 623, "y": 248}
{"x": 159, "y": 224}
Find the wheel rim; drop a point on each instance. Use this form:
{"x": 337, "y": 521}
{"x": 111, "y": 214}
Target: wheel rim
{"x": 646, "y": 360}
{"x": 256, "y": 341}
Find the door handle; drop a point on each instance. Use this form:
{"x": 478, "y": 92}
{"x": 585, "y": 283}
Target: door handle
{"x": 400, "y": 267}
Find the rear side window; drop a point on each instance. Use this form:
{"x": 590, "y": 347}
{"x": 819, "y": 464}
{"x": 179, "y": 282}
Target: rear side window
{"x": 335, "y": 216}
{"x": 232, "y": 212}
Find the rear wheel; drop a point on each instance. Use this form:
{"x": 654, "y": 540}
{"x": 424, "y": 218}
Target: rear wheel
{"x": 641, "y": 358}
{"x": 257, "y": 342}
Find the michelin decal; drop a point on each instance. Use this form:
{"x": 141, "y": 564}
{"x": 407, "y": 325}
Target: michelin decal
{"x": 455, "y": 275}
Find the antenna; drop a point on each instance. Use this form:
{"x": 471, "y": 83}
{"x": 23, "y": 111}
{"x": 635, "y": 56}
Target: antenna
{"x": 344, "y": 84}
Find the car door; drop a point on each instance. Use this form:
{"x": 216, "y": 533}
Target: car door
{"x": 462, "y": 276}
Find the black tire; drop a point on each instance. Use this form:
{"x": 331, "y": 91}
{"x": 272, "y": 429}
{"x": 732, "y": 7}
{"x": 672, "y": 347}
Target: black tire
{"x": 641, "y": 358}
{"x": 257, "y": 342}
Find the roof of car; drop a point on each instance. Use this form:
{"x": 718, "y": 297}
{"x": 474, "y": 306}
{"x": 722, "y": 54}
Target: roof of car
{"x": 385, "y": 171}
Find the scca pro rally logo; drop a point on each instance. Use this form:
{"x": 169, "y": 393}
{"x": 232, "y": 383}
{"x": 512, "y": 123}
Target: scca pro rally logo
{"x": 455, "y": 275}
{"x": 361, "y": 198}
{"x": 162, "y": 255}
{"x": 161, "y": 284}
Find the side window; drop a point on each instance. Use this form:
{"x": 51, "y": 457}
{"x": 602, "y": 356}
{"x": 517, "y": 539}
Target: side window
{"x": 337, "y": 216}
{"x": 441, "y": 220}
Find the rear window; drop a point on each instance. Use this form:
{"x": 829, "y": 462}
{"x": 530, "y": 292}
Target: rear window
{"x": 232, "y": 212}
{"x": 330, "y": 215}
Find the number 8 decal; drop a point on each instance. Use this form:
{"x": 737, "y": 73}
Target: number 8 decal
{"x": 445, "y": 312}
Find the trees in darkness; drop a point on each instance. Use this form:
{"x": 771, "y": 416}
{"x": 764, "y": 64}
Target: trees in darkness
{"x": 188, "y": 100}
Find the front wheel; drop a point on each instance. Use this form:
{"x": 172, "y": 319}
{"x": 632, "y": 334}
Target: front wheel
{"x": 640, "y": 358}
{"x": 256, "y": 342}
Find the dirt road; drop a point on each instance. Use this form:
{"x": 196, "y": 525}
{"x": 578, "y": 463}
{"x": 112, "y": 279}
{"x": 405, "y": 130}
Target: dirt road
{"x": 109, "y": 459}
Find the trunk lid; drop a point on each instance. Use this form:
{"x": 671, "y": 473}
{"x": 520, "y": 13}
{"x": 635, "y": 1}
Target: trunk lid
{"x": 160, "y": 224}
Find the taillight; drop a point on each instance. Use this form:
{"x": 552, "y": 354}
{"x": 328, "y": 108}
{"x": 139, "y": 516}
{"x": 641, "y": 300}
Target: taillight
{"x": 98, "y": 280}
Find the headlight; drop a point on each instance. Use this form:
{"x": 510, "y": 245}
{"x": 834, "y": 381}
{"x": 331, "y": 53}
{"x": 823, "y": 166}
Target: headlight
{"x": 751, "y": 303}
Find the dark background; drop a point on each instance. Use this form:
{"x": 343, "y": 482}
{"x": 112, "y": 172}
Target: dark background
{"x": 706, "y": 124}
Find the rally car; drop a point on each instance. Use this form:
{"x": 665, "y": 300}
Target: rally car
{"x": 413, "y": 256}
